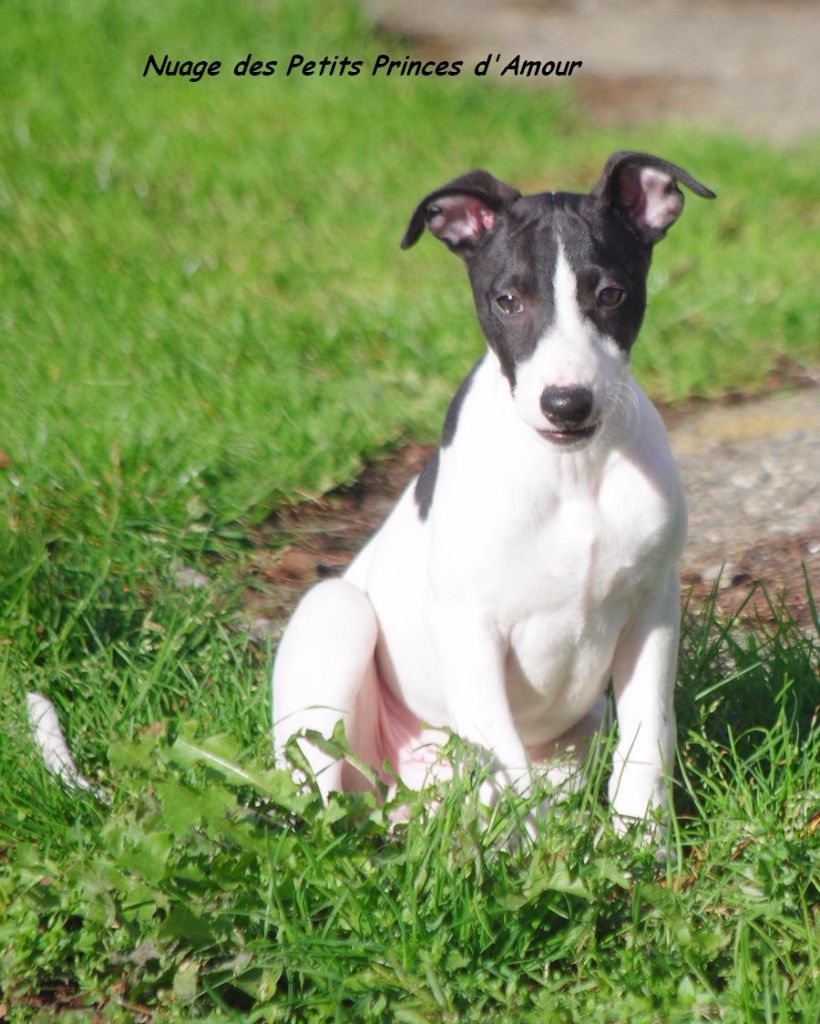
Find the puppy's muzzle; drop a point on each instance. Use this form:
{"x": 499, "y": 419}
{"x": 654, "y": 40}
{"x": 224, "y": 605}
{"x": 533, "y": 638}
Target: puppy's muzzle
{"x": 569, "y": 410}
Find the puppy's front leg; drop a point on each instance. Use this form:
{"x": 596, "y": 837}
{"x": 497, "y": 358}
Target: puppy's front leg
{"x": 643, "y": 674}
{"x": 472, "y": 654}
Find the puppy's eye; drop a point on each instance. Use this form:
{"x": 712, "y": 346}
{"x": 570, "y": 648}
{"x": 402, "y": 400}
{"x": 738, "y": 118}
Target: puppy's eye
{"x": 509, "y": 304}
{"x": 610, "y": 297}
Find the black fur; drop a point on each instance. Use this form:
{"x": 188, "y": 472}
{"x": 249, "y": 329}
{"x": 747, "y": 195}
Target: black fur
{"x": 509, "y": 244}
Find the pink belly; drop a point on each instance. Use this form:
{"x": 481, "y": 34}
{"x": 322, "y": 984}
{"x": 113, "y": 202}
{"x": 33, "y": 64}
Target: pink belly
{"x": 389, "y": 737}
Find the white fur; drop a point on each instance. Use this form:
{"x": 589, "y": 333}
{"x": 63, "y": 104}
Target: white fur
{"x": 50, "y": 739}
{"x": 572, "y": 353}
{"x": 539, "y": 573}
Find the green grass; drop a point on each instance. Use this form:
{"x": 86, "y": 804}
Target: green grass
{"x": 204, "y": 312}
{"x": 210, "y": 887}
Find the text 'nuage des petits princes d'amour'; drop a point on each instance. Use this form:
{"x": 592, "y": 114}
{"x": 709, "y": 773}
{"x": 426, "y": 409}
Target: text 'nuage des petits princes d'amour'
{"x": 382, "y": 66}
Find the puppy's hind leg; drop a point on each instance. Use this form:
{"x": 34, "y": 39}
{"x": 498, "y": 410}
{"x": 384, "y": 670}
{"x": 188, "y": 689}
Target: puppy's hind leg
{"x": 324, "y": 660}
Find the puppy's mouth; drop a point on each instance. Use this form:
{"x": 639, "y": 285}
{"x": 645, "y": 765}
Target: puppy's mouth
{"x": 567, "y": 437}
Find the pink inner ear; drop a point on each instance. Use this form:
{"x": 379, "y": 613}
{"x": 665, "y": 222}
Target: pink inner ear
{"x": 650, "y": 196}
{"x": 460, "y": 218}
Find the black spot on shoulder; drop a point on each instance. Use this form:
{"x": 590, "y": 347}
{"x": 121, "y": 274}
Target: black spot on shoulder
{"x": 454, "y": 410}
{"x": 426, "y": 481}
{"x": 426, "y": 485}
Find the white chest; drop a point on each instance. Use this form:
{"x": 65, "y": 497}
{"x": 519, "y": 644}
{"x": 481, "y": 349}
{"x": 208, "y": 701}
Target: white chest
{"x": 557, "y": 554}
{"x": 551, "y": 552}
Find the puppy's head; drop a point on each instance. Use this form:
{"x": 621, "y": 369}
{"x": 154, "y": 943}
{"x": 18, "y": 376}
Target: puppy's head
{"x": 559, "y": 280}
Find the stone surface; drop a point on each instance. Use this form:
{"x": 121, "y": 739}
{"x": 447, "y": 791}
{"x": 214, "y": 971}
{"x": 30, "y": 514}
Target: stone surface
{"x": 751, "y": 472}
{"x": 751, "y": 64}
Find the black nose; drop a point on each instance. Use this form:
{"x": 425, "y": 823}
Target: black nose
{"x": 567, "y": 406}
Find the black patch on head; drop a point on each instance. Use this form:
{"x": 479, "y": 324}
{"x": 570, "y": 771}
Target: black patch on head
{"x": 602, "y": 251}
{"x": 509, "y": 244}
{"x": 426, "y": 485}
{"x": 426, "y": 480}
{"x": 518, "y": 258}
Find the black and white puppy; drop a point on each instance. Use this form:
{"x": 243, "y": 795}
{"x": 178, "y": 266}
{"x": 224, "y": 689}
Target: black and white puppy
{"x": 534, "y": 558}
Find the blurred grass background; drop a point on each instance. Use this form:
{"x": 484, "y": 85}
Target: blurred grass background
{"x": 203, "y": 306}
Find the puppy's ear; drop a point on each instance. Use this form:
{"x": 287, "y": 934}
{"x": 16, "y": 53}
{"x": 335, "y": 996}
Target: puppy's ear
{"x": 645, "y": 189}
{"x": 461, "y": 212}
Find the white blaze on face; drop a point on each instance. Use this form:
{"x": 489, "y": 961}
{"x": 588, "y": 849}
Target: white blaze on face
{"x": 571, "y": 353}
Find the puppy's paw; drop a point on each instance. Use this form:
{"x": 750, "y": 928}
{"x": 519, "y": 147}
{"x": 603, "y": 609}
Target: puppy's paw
{"x": 648, "y": 832}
